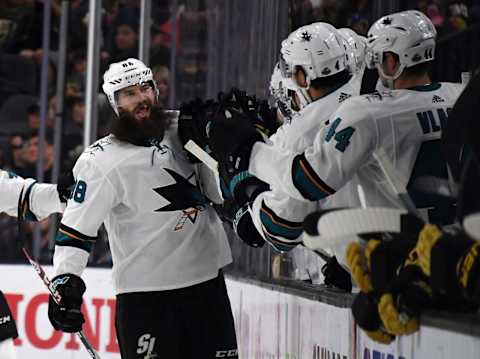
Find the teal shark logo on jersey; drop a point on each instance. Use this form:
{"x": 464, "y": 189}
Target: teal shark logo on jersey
{"x": 183, "y": 196}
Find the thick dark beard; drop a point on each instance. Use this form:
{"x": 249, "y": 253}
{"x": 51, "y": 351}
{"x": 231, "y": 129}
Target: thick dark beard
{"x": 126, "y": 128}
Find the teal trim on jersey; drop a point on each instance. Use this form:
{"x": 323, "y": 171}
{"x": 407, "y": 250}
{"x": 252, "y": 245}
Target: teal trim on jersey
{"x": 237, "y": 179}
{"x": 64, "y": 240}
{"x": 308, "y": 184}
{"x": 28, "y": 215}
{"x": 425, "y": 88}
{"x": 279, "y": 229}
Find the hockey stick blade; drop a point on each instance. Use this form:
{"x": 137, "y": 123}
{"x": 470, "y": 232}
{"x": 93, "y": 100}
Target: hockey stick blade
{"x": 57, "y": 298}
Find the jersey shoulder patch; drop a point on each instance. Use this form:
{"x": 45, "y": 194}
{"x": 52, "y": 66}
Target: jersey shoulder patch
{"x": 106, "y": 153}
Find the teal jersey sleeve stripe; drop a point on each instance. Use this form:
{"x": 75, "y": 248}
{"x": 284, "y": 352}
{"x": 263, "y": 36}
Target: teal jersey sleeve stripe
{"x": 278, "y": 226}
{"x": 27, "y": 213}
{"x": 307, "y": 182}
{"x": 63, "y": 239}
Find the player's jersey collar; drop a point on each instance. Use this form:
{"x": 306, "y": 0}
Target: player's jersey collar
{"x": 425, "y": 88}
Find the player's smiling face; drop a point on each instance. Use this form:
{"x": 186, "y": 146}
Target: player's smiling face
{"x": 138, "y": 100}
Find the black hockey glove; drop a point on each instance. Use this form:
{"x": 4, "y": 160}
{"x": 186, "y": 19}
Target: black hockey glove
{"x": 245, "y": 229}
{"x": 192, "y": 124}
{"x": 336, "y": 276}
{"x": 231, "y": 138}
{"x": 268, "y": 118}
{"x": 65, "y": 186}
{"x": 365, "y": 313}
{"x": 67, "y": 316}
{"x": 258, "y": 112}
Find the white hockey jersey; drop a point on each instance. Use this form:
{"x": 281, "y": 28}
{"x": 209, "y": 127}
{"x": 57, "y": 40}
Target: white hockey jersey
{"x": 41, "y": 199}
{"x": 406, "y": 124}
{"x": 162, "y": 232}
{"x": 276, "y": 215}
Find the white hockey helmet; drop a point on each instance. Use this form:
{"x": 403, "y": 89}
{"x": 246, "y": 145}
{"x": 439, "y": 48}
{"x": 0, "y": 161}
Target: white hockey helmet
{"x": 356, "y": 47}
{"x": 124, "y": 74}
{"x": 318, "y": 49}
{"x": 409, "y": 34}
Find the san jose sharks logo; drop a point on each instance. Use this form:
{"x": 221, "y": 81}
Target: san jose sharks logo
{"x": 183, "y": 196}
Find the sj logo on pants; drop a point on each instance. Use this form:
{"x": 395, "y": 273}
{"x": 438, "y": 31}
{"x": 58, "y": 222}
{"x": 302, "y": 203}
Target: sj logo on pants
{"x": 226, "y": 353}
{"x": 146, "y": 344}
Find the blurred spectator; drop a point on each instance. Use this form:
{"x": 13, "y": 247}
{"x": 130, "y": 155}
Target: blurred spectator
{"x": 458, "y": 15}
{"x": 33, "y": 116}
{"x": 16, "y": 158}
{"x": 161, "y": 75}
{"x": 124, "y": 43}
{"x": 20, "y": 26}
{"x": 433, "y": 12}
{"x": 332, "y": 11}
{"x": 77, "y": 75}
{"x": 360, "y": 16}
{"x": 73, "y": 124}
{"x": 27, "y": 161}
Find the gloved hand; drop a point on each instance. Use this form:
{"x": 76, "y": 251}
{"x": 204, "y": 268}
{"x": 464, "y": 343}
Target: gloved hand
{"x": 245, "y": 229}
{"x": 231, "y": 138}
{"x": 389, "y": 304}
{"x": 335, "y": 275}
{"x": 267, "y": 117}
{"x": 450, "y": 261}
{"x": 65, "y": 186}
{"x": 365, "y": 312}
{"x": 401, "y": 304}
{"x": 258, "y": 112}
{"x": 67, "y": 316}
{"x": 192, "y": 124}
{"x": 374, "y": 265}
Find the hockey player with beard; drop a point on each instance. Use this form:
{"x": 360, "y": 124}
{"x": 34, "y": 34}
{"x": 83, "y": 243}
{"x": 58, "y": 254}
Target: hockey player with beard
{"x": 167, "y": 243}
{"x": 406, "y": 122}
{"x": 33, "y": 201}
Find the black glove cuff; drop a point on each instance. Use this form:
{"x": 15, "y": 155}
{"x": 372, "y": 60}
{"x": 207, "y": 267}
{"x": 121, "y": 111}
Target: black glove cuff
{"x": 245, "y": 229}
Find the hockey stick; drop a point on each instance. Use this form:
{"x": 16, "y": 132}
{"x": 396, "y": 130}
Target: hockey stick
{"x": 58, "y": 298}
{"x": 436, "y": 186}
{"x": 395, "y": 182}
{"x": 48, "y": 283}
{"x": 203, "y": 156}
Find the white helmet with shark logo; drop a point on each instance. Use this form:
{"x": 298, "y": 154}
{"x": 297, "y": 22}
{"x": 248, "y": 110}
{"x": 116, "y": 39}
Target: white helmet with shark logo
{"x": 355, "y": 49}
{"x": 318, "y": 49}
{"x": 124, "y": 74}
{"x": 408, "y": 34}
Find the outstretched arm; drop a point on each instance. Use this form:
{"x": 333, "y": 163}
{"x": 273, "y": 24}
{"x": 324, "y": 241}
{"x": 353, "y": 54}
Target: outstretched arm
{"x": 37, "y": 200}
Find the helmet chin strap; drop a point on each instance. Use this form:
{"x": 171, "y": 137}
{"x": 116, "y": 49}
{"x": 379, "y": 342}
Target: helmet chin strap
{"x": 390, "y": 79}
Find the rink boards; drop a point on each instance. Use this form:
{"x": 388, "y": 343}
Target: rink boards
{"x": 270, "y": 324}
